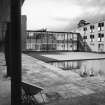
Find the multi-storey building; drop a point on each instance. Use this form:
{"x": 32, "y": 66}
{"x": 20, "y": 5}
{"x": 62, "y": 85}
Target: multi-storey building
{"x": 51, "y": 41}
{"x": 93, "y": 36}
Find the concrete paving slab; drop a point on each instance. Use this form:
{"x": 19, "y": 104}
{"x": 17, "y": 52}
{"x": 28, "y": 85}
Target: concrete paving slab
{"x": 67, "y": 85}
{"x": 50, "y": 73}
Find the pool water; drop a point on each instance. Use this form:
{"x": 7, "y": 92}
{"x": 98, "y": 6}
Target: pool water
{"x": 85, "y": 68}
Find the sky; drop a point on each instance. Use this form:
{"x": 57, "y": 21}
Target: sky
{"x": 61, "y": 15}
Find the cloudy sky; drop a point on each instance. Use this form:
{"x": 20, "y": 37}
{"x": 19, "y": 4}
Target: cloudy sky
{"x": 61, "y": 15}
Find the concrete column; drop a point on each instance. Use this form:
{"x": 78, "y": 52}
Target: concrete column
{"x": 16, "y": 52}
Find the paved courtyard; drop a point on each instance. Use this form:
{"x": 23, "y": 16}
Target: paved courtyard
{"x": 62, "y": 88}
{"x": 65, "y": 86}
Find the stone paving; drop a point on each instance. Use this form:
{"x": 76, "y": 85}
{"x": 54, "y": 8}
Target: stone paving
{"x": 67, "y": 84}
{"x": 43, "y": 74}
{"x": 60, "y": 86}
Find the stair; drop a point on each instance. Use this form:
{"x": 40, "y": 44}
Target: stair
{"x": 83, "y": 46}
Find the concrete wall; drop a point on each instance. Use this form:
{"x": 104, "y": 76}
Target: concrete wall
{"x": 4, "y": 10}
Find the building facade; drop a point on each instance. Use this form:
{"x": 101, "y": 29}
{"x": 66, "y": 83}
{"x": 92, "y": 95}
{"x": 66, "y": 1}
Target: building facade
{"x": 51, "y": 41}
{"x": 93, "y": 35}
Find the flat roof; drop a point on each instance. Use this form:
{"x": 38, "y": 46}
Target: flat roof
{"x": 51, "y": 31}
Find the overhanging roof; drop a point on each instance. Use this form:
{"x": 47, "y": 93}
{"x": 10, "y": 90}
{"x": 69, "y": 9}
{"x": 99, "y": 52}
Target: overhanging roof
{"x": 5, "y": 10}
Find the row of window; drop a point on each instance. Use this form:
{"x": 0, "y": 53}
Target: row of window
{"x": 51, "y": 46}
{"x": 53, "y": 37}
{"x": 100, "y": 37}
{"x": 92, "y": 27}
{"x": 30, "y": 34}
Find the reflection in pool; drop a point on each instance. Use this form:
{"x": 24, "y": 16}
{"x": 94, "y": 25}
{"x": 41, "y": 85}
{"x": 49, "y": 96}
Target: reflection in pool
{"x": 83, "y": 68}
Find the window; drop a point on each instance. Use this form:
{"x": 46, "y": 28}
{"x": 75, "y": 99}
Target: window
{"x": 100, "y": 37}
{"x": 75, "y": 36}
{"x": 28, "y": 36}
{"x": 69, "y": 36}
{"x": 91, "y": 28}
{"x": 100, "y": 26}
{"x": 66, "y": 36}
{"x": 31, "y": 34}
{"x": 85, "y": 29}
{"x": 91, "y": 38}
{"x": 84, "y": 38}
{"x": 63, "y": 37}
